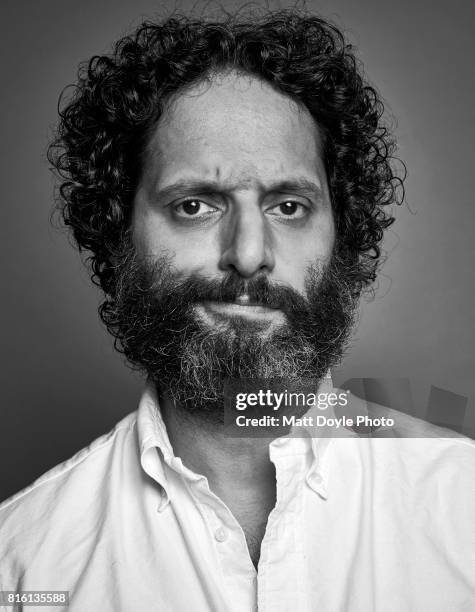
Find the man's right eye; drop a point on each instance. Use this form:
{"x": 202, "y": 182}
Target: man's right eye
{"x": 193, "y": 208}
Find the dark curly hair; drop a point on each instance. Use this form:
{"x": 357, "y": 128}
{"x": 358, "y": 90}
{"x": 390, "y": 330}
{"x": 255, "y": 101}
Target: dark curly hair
{"x": 118, "y": 99}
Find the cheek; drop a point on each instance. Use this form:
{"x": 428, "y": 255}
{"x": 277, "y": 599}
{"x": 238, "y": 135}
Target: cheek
{"x": 293, "y": 257}
{"x": 322, "y": 245}
{"x": 194, "y": 255}
{"x": 188, "y": 251}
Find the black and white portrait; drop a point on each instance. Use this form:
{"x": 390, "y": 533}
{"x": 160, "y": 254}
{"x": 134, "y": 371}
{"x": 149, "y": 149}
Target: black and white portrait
{"x": 238, "y": 339}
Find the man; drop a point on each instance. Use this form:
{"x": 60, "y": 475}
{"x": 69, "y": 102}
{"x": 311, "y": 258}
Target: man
{"x": 230, "y": 181}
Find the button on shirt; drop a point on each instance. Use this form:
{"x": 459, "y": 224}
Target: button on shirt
{"x": 382, "y": 525}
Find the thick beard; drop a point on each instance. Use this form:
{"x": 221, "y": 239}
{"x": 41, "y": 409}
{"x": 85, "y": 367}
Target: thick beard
{"x": 153, "y": 320}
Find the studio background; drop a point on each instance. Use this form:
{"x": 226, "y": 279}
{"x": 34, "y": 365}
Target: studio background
{"x": 62, "y": 384}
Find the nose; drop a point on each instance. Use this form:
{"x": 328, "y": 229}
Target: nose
{"x": 246, "y": 247}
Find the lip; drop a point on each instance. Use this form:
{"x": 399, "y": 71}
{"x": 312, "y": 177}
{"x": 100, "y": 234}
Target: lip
{"x": 239, "y": 309}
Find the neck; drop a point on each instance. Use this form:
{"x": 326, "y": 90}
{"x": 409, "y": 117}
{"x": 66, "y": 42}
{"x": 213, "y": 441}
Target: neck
{"x": 238, "y": 470}
{"x": 239, "y": 465}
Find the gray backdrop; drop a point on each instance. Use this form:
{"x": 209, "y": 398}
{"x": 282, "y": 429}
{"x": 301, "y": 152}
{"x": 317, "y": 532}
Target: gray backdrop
{"x": 63, "y": 385}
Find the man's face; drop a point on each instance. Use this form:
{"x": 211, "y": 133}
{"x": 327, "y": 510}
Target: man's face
{"x": 234, "y": 183}
{"x": 232, "y": 271}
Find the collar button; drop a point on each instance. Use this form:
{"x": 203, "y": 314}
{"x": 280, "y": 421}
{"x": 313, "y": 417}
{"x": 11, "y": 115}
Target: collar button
{"x": 220, "y": 535}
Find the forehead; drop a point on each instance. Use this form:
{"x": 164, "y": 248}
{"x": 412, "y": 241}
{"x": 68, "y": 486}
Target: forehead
{"x": 235, "y": 128}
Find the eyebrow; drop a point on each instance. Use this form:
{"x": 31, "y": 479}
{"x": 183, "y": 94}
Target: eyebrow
{"x": 299, "y": 186}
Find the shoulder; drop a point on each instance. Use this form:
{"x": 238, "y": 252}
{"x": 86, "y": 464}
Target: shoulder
{"x": 413, "y": 450}
{"x": 408, "y": 426}
{"x": 421, "y": 441}
{"x": 427, "y": 441}
{"x": 431, "y": 465}
{"x": 54, "y": 502}
{"x": 417, "y": 469}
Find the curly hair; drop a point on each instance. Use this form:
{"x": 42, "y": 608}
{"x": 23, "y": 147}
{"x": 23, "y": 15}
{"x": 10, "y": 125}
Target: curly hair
{"x": 118, "y": 99}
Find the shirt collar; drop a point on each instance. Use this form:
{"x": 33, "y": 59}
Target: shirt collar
{"x": 153, "y": 441}
{"x": 156, "y": 449}
{"x": 301, "y": 438}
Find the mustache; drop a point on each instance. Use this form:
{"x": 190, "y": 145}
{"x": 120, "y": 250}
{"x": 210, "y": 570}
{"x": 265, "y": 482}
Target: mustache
{"x": 259, "y": 291}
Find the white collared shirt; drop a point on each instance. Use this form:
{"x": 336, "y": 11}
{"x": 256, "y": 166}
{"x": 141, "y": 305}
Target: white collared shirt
{"x": 360, "y": 525}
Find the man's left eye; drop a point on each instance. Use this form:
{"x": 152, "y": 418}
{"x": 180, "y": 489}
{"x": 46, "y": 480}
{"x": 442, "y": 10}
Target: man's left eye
{"x": 289, "y": 209}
